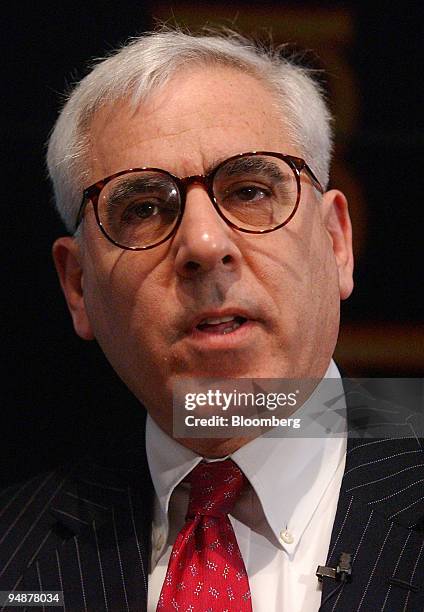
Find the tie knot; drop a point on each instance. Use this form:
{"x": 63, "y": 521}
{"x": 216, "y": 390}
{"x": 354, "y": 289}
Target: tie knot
{"x": 215, "y": 488}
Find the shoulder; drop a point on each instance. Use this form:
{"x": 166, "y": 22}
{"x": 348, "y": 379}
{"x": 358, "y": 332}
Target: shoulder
{"x": 42, "y": 514}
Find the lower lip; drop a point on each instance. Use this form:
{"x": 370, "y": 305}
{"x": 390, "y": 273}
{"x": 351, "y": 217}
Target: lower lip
{"x": 234, "y": 339}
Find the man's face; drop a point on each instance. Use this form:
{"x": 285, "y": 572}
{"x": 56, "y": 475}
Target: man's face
{"x": 144, "y": 307}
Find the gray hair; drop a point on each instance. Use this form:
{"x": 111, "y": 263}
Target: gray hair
{"x": 147, "y": 63}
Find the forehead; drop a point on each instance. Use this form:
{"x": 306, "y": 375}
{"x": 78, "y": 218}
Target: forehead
{"x": 200, "y": 117}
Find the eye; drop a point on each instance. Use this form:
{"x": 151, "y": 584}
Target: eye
{"x": 141, "y": 210}
{"x": 250, "y": 193}
{"x": 247, "y": 193}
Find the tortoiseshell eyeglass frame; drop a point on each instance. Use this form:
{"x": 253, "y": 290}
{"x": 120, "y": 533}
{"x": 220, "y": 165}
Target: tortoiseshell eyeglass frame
{"x": 92, "y": 194}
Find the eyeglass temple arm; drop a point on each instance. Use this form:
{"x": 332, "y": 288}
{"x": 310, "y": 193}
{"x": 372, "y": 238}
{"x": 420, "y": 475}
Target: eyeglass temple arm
{"x": 300, "y": 165}
{"x": 313, "y": 178}
{"x": 81, "y": 210}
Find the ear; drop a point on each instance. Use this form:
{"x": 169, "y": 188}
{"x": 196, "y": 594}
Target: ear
{"x": 67, "y": 257}
{"x": 339, "y": 228}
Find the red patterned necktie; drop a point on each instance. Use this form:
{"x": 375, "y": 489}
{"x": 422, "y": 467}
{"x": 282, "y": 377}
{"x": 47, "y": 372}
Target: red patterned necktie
{"x": 206, "y": 572}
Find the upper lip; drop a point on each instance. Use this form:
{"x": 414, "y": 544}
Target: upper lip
{"x": 214, "y": 314}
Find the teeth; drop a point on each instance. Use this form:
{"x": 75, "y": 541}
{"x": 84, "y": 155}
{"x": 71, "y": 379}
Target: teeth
{"x": 232, "y": 328}
{"x": 216, "y": 320}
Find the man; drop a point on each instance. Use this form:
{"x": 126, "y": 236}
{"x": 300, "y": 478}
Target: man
{"x": 207, "y": 245}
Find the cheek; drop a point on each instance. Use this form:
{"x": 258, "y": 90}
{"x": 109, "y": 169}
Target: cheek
{"x": 305, "y": 282}
{"x": 322, "y": 279}
{"x": 302, "y": 262}
{"x": 124, "y": 302}
{"x": 108, "y": 314}
{"x": 315, "y": 253}
{"x": 112, "y": 280}
{"x": 125, "y": 316}
{"x": 323, "y": 311}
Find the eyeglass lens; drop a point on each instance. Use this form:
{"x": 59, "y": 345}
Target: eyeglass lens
{"x": 254, "y": 193}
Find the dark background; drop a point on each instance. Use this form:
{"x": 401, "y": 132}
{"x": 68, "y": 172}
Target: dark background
{"x": 59, "y": 394}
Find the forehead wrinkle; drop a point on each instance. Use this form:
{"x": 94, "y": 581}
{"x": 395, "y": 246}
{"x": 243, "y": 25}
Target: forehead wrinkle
{"x": 111, "y": 114}
{"x": 126, "y": 135}
{"x": 108, "y": 117}
{"x": 205, "y": 166}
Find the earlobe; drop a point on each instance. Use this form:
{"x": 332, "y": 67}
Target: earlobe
{"x": 339, "y": 227}
{"x": 66, "y": 256}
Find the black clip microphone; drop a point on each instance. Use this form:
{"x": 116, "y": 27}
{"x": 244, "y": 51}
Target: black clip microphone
{"x": 341, "y": 573}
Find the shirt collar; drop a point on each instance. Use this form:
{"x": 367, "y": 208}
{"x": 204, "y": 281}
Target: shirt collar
{"x": 289, "y": 475}
{"x": 169, "y": 463}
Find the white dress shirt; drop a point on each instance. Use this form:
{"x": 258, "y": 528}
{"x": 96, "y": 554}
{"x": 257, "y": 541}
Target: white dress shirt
{"x": 282, "y": 522}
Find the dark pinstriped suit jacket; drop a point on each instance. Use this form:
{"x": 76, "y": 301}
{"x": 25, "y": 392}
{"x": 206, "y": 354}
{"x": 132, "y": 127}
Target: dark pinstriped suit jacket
{"x": 86, "y": 530}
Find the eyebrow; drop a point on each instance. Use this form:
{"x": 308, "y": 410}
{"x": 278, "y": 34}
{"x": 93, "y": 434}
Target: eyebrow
{"x": 253, "y": 164}
{"x": 136, "y": 185}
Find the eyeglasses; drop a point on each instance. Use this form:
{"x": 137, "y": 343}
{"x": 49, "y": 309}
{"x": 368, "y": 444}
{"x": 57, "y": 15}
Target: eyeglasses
{"x": 141, "y": 208}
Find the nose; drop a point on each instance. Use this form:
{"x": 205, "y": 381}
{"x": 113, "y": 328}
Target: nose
{"x": 203, "y": 241}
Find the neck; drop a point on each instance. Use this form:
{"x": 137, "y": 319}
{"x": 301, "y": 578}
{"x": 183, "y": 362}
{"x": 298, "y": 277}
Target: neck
{"x": 214, "y": 448}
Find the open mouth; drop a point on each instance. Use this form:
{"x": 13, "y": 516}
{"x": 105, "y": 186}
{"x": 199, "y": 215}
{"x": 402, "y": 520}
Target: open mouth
{"x": 221, "y": 325}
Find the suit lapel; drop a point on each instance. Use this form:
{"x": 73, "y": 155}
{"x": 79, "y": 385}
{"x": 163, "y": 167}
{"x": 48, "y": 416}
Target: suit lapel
{"x": 379, "y": 521}
{"x": 92, "y": 539}
{"x": 86, "y": 530}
